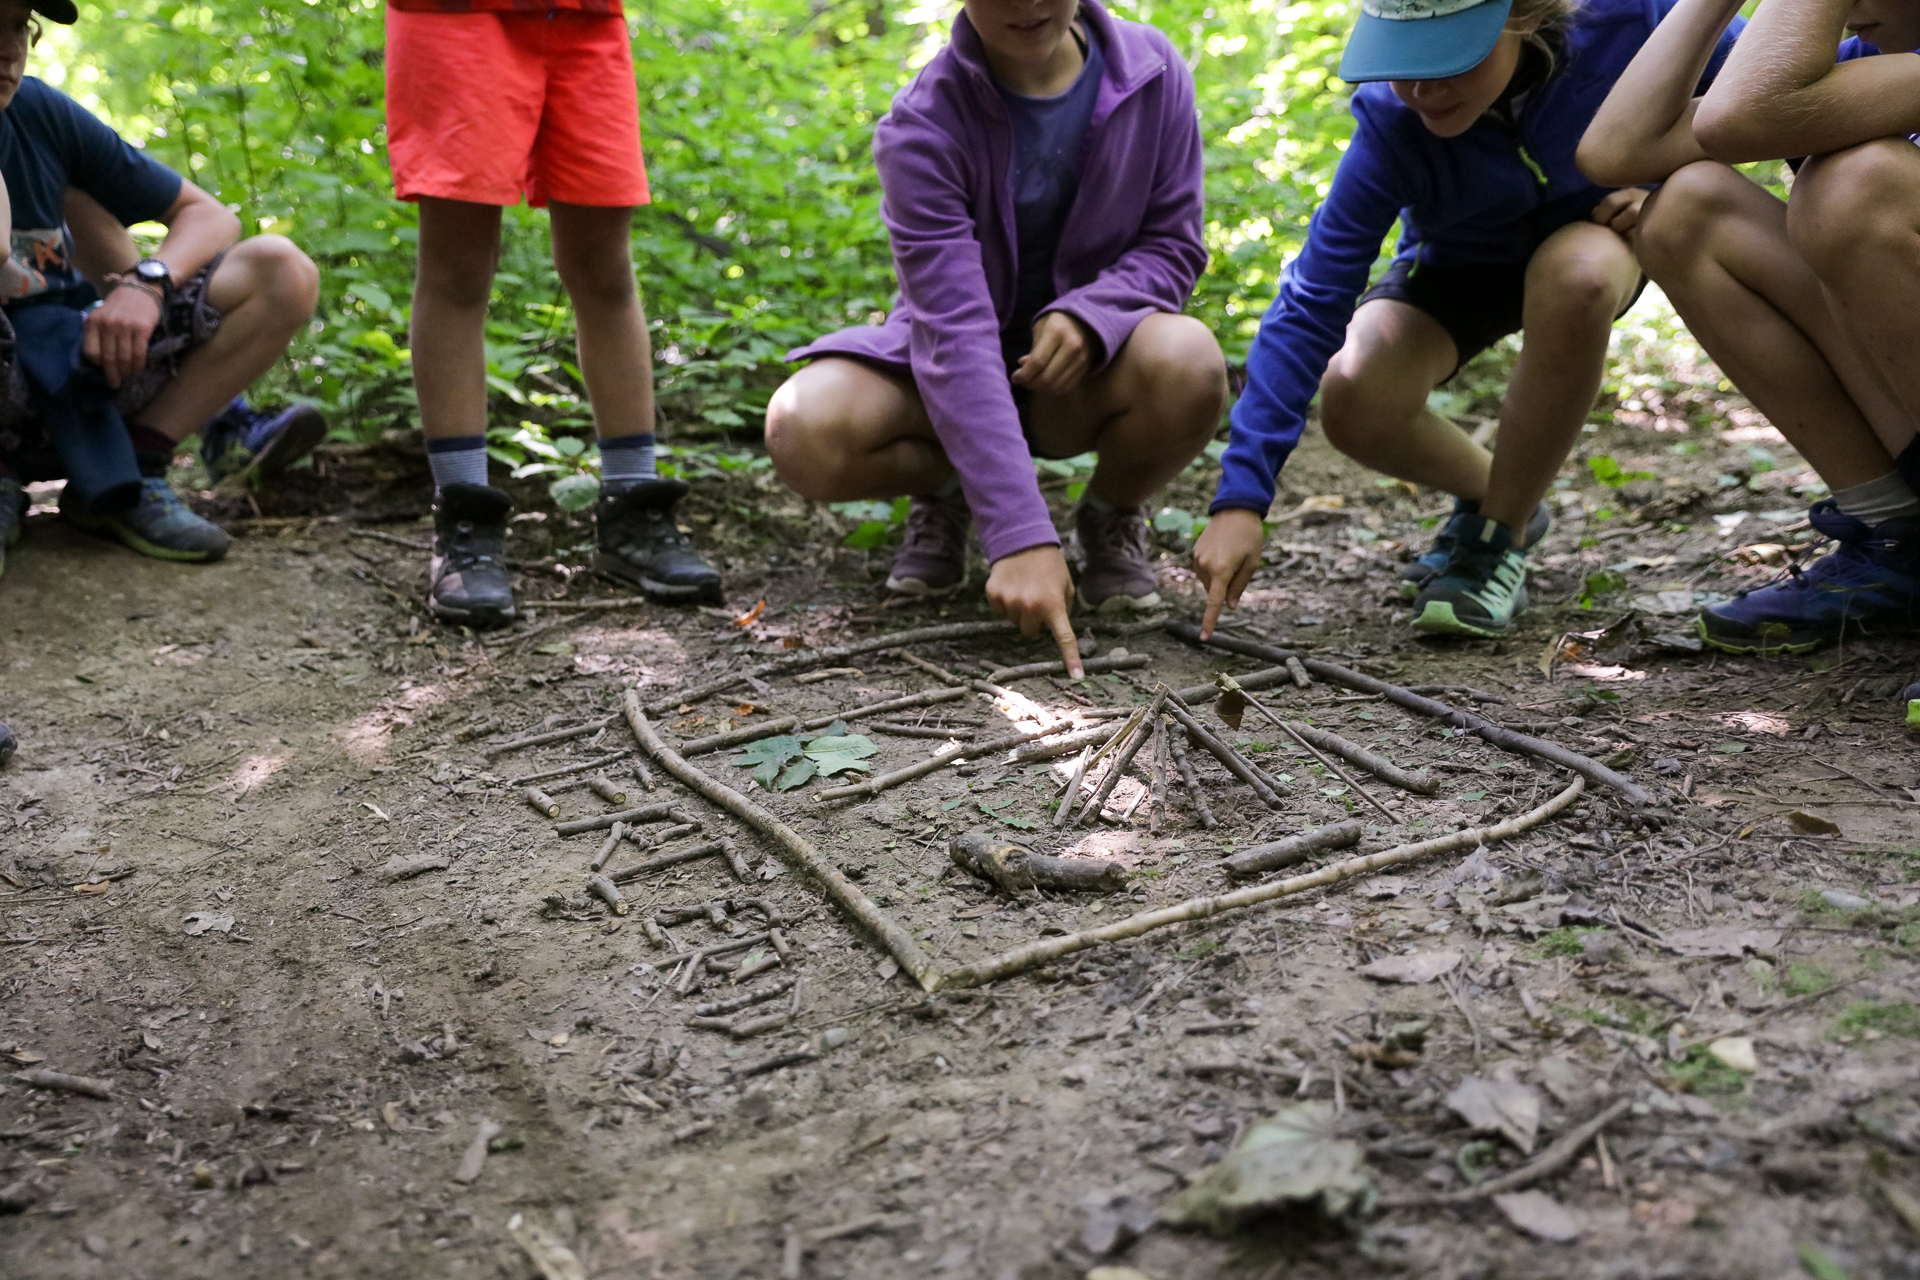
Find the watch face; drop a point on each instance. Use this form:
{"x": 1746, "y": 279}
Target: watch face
{"x": 151, "y": 270}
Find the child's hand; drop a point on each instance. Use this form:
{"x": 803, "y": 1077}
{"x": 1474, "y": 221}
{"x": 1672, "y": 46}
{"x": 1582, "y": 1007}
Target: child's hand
{"x": 1035, "y": 591}
{"x": 1620, "y": 210}
{"x": 1062, "y": 353}
{"x": 1225, "y": 557}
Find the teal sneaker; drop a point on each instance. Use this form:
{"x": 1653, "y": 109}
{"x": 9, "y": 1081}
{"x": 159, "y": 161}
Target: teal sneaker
{"x": 13, "y": 511}
{"x": 1483, "y": 587}
{"x": 1431, "y": 563}
{"x": 161, "y": 526}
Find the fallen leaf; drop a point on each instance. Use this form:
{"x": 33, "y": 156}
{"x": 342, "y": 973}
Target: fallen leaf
{"x": 1290, "y": 1164}
{"x": 1841, "y": 900}
{"x": 105, "y": 886}
{"x": 1494, "y": 1106}
{"x": 1422, "y": 966}
{"x": 405, "y": 868}
{"x": 1811, "y": 824}
{"x": 555, "y": 1260}
{"x": 1729, "y": 748}
{"x": 1231, "y": 707}
{"x": 1540, "y": 1215}
{"x": 1736, "y": 1052}
{"x": 202, "y": 921}
{"x": 1724, "y": 940}
{"x": 751, "y": 616}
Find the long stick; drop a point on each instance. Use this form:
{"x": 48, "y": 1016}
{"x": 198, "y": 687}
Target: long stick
{"x": 1379, "y": 766}
{"x": 1066, "y": 744}
{"x": 820, "y": 657}
{"x": 1550, "y": 1161}
{"x": 1505, "y": 739}
{"x": 1065, "y": 810}
{"x": 1046, "y": 949}
{"x": 1092, "y": 666}
{"x": 541, "y": 739}
{"x": 793, "y": 848}
{"x": 938, "y": 760}
{"x": 1229, "y": 684}
{"x": 632, "y": 817}
{"x": 598, "y": 762}
{"x": 1225, "y": 754}
{"x": 1187, "y": 779}
{"x": 1295, "y": 848}
{"x": 767, "y": 729}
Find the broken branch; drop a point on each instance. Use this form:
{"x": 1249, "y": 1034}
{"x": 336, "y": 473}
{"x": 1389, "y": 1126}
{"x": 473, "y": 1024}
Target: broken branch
{"x": 820, "y": 657}
{"x": 1046, "y": 949}
{"x": 631, "y": 817}
{"x": 793, "y": 848}
{"x": 1295, "y": 848}
{"x": 1550, "y": 1161}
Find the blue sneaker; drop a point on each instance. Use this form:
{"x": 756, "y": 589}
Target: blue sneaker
{"x": 262, "y": 442}
{"x": 1483, "y": 587}
{"x": 1429, "y": 564}
{"x": 13, "y": 510}
{"x": 161, "y": 526}
{"x": 1869, "y": 583}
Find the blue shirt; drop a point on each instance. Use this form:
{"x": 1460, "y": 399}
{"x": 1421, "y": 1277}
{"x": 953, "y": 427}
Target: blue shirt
{"x": 1049, "y": 148}
{"x": 1490, "y": 195}
{"x": 49, "y": 142}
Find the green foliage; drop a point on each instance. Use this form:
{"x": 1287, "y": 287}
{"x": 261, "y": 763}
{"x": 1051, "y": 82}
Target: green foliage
{"x": 1702, "y": 1073}
{"x": 765, "y": 230}
{"x": 1804, "y": 979}
{"x": 789, "y": 761}
{"x": 1604, "y": 582}
{"x": 1897, "y": 1018}
{"x": 1570, "y": 941}
{"x": 1607, "y": 471}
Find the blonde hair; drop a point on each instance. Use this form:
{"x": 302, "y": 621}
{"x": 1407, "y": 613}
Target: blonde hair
{"x": 1545, "y": 23}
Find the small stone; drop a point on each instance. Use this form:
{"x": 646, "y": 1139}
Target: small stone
{"x": 97, "y": 1246}
{"x": 1736, "y": 1052}
{"x": 834, "y": 1037}
{"x": 1843, "y": 901}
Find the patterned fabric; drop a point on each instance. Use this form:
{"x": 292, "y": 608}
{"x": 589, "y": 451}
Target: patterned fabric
{"x": 186, "y": 322}
{"x": 505, "y": 6}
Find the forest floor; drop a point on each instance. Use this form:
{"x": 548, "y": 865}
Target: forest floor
{"x": 217, "y": 762}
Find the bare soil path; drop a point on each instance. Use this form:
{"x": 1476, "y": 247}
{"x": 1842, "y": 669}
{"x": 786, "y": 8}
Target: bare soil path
{"x": 218, "y": 762}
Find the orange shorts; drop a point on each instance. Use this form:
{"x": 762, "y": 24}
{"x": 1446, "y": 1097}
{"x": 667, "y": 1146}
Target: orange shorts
{"x": 488, "y": 106}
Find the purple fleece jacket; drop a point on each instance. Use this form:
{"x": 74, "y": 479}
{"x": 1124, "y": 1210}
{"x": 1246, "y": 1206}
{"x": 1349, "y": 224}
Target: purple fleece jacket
{"x": 1132, "y": 246}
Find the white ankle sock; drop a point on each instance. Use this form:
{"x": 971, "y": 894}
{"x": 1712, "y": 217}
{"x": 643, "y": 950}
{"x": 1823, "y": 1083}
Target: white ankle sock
{"x": 1887, "y": 498}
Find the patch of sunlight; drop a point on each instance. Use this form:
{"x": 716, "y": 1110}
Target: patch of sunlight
{"x": 1756, "y": 722}
{"x": 255, "y": 770}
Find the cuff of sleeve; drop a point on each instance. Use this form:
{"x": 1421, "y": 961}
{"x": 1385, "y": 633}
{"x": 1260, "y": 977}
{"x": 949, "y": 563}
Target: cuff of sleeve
{"x": 1001, "y": 543}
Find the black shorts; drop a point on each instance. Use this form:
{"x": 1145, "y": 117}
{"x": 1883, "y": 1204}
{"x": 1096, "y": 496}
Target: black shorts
{"x": 1477, "y": 305}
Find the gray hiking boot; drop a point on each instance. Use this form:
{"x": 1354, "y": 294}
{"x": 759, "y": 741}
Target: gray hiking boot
{"x": 932, "y": 560}
{"x": 467, "y": 581}
{"x": 1118, "y": 575}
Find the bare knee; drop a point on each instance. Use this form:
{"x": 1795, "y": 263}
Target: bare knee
{"x": 604, "y": 282}
{"x": 1180, "y": 363}
{"x": 803, "y": 436}
{"x": 1850, "y": 203}
{"x": 1353, "y": 414}
{"x": 1679, "y": 222}
{"x": 282, "y": 277}
{"x": 1576, "y": 285}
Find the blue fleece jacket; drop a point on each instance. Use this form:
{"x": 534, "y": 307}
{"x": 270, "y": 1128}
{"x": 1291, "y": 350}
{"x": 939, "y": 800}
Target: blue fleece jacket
{"x": 1490, "y": 195}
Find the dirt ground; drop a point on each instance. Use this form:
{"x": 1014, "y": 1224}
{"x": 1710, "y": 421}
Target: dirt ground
{"x": 217, "y": 763}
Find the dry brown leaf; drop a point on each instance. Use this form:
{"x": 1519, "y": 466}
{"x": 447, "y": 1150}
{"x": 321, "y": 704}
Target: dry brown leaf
{"x": 1540, "y": 1215}
{"x": 1812, "y": 824}
{"x": 1422, "y": 966}
{"x": 1494, "y": 1106}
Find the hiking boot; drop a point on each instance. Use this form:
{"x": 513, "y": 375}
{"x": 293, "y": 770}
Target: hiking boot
{"x": 640, "y": 542}
{"x": 265, "y": 442}
{"x": 1429, "y": 564}
{"x": 467, "y": 581}
{"x": 160, "y": 525}
{"x": 13, "y": 512}
{"x": 932, "y": 559}
{"x": 1483, "y": 586}
{"x": 1118, "y": 574}
{"x": 1869, "y": 583}
{"x": 8, "y": 744}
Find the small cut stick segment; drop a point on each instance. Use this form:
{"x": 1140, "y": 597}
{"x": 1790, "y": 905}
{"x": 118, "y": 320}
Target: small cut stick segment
{"x": 543, "y": 804}
{"x": 1295, "y": 848}
{"x": 607, "y": 847}
{"x": 605, "y": 788}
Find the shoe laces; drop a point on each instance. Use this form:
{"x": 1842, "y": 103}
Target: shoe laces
{"x": 657, "y": 526}
{"x": 467, "y": 547}
{"x": 1120, "y": 534}
{"x": 938, "y": 523}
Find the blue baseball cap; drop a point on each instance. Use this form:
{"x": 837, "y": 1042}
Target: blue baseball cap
{"x": 1422, "y": 39}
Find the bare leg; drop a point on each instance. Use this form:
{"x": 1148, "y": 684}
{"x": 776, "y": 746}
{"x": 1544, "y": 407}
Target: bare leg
{"x": 1852, "y": 218}
{"x": 1717, "y": 244}
{"x": 592, "y": 252}
{"x": 1147, "y": 414}
{"x": 1577, "y": 282}
{"x": 1373, "y": 401}
{"x": 459, "y": 249}
{"x": 265, "y": 289}
{"x": 839, "y": 430}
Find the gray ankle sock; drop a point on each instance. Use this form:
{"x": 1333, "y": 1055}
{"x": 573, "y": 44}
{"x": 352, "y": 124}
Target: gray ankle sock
{"x": 1887, "y": 498}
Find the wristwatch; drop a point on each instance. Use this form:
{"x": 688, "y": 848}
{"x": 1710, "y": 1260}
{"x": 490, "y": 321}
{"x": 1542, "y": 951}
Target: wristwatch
{"x": 155, "y": 273}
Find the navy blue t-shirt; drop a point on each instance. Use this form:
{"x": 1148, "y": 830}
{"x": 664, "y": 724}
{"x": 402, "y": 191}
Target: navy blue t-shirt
{"x": 49, "y": 142}
{"x": 1049, "y": 146}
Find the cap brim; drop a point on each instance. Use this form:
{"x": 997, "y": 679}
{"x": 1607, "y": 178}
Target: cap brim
{"x": 61, "y": 11}
{"x": 1423, "y": 48}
